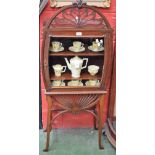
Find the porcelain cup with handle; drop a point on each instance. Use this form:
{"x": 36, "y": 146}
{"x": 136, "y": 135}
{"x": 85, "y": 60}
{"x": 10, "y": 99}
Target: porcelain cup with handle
{"x": 77, "y": 45}
{"x": 58, "y": 69}
{"x": 95, "y": 45}
{"x": 57, "y": 82}
{"x": 93, "y": 82}
{"x": 56, "y": 45}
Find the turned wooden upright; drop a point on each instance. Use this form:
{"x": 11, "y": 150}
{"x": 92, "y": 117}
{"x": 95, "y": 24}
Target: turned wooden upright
{"x": 85, "y": 24}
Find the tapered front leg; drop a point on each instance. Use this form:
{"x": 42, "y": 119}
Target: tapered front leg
{"x": 100, "y": 125}
{"x": 95, "y": 120}
{"x": 49, "y": 118}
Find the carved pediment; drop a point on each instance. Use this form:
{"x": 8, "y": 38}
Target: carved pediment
{"x": 78, "y": 17}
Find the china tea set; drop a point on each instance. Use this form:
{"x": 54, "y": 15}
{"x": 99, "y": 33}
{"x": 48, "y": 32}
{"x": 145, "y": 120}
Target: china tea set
{"x": 75, "y": 65}
{"x": 75, "y": 83}
{"x": 77, "y": 46}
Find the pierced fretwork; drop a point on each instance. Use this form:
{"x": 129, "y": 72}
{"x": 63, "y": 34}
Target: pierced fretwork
{"x": 78, "y": 17}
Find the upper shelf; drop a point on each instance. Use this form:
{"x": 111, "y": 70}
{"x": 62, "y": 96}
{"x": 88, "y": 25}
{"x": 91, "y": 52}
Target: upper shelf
{"x": 69, "y": 53}
{"x": 87, "y": 52}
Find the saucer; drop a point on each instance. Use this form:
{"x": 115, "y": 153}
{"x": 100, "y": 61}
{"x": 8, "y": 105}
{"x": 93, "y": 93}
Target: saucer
{"x": 70, "y": 84}
{"x": 87, "y": 84}
{"x": 95, "y": 50}
{"x": 62, "y": 84}
{"x": 71, "y": 48}
{"x": 59, "y": 50}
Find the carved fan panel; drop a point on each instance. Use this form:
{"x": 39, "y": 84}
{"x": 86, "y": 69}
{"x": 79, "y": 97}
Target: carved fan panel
{"x": 78, "y": 17}
{"x": 75, "y": 103}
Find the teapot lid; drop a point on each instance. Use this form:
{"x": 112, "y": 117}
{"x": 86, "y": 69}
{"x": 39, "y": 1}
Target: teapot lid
{"x": 76, "y": 58}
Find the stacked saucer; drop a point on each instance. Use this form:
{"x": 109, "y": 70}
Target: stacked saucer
{"x": 75, "y": 83}
{"x": 96, "y": 49}
{"x": 71, "y": 48}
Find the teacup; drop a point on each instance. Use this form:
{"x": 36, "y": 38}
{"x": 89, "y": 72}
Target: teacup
{"x": 56, "y": 45}
{"x": 93, "y": 69}
{"x": 75, "y": 82}
{"x": 77, "y": 45}
{"x": 95, "y": 45}
{"x": 58, "y": 69}
{"x": 93, "y": 82}
{"x": 57, "y": 82}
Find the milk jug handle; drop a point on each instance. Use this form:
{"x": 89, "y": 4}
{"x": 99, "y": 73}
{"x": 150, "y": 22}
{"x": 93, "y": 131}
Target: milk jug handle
{"x": 85, "y": 59}
{"x": 64, "y": 68}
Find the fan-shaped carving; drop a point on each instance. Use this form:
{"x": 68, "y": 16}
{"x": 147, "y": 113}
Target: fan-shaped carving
{"x": 76, "y": 103}
{"x": 78, "y": 17}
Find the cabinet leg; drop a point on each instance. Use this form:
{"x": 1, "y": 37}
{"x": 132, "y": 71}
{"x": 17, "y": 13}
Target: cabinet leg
{"x": 45, "y": 130}
{"x": 49, "y": 114}
{"x": 100, "y": 122}
{"x": 95, "y": 128}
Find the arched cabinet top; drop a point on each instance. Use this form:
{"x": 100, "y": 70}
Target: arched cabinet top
{"x": 72, "y": 23}
{"x": 84, "y": 17}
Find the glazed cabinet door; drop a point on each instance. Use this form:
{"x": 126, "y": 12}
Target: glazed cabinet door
{"x": 76, "y": 62}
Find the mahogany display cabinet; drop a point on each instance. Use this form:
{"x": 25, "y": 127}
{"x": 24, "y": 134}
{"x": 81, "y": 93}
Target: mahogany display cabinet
{"x": 76, "y": 24}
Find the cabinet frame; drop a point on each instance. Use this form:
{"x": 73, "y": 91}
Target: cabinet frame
{"x": 84, "y": 98}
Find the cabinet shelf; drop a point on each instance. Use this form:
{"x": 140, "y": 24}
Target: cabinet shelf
{"x": 74, "y": 87}
{"x": 67, "y": 76}
{"x": 57, "y": 91}
{"x": 69, "y": 53}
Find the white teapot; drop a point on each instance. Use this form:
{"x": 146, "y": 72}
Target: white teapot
{"x": 75, "y": 65}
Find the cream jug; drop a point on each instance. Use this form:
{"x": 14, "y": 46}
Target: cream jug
{"x": 58, "y": 69}
{"x": 75, "y": 65}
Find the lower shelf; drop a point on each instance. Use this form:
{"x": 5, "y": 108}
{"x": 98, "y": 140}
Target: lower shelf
{"x": 58, "y": 91}
{"x": 67, "y": 76}
{"x": 67, "y": 87}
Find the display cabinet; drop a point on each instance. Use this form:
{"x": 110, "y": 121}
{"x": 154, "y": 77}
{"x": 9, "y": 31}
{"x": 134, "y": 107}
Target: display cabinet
{"x": 76, "y": 63}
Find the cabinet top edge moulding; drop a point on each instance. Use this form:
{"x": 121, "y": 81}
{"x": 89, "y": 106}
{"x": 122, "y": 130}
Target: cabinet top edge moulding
{"x": 97, "y": 3}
